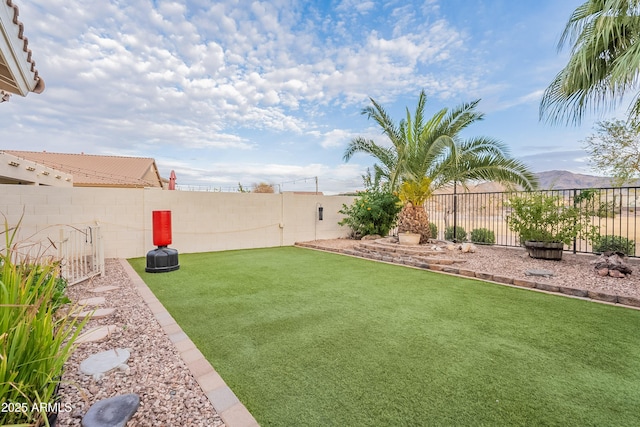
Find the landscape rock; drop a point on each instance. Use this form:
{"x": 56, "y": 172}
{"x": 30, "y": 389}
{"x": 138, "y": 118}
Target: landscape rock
{"x": 92, "y": 301}
{"x": 96, "y": 334}
{"x": 616, "y": 274}
{"x": 372, "y": 237}
{"x": 468, "y": 248}
{"x": 539, "y": 272}
{"x": 95, "y": 314}
{"x": 112, "y": 412}
{"x": 612, "y": 264}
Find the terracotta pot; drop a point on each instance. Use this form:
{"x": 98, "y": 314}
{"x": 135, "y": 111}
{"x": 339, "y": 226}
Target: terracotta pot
{"x": 544, "y": 250}
{"x": 409, "y": 238}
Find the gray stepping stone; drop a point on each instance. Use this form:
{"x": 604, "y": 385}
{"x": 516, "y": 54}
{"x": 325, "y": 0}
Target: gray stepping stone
{"x": 100, "y": 363}
{"x": 112, "y": 412}
{"x": 101, "y": 289}
{"x": 541, "y": 273}
{"x": 95, "y": 314}
{"x": 96, "y": 334}
{"x": 92, "y": 301}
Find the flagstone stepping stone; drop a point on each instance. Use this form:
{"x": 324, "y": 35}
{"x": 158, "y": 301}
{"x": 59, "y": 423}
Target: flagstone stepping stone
{"x": 96, "y": 334}
{"x": 112, "y": 412}
{"x": 101, "y": 289}
{"x": 92, "y": 301}
{"x": 540, "y": 272}
{"x": 100, "y": 363}
{"x": 95, "y": 314}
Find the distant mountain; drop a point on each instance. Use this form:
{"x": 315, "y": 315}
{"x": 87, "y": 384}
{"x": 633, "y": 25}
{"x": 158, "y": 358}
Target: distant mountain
{"x": 561, "y": 180}
{"x": 549, "y": 180}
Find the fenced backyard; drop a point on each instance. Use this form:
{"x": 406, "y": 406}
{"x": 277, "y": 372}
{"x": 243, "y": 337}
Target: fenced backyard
{"x": 614, "y": 211}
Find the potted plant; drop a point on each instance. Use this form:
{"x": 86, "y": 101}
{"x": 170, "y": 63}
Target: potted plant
{"x": 409, "y": 238}
{"x": 413, "y": 219}
{"x": 545, "y": 223}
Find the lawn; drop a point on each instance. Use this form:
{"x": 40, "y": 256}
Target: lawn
{"x": 311, "y": 338}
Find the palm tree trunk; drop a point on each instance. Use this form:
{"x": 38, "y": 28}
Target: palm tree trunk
{"x": 414, "y": 219}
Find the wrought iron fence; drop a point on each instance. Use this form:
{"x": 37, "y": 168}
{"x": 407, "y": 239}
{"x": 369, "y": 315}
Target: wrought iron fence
{"x": 614, "y": 211}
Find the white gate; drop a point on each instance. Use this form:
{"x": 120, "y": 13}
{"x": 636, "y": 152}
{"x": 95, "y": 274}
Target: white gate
{"x": 81, "y": 254}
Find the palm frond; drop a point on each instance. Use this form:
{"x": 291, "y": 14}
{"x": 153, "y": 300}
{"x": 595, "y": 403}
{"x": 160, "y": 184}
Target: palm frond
{"x": 433, "y": 148}
{"x": 604, "y": 63}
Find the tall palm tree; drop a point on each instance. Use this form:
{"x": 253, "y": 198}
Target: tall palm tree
{"x": 604, "y": 63}
{"x": 434, "y": 149}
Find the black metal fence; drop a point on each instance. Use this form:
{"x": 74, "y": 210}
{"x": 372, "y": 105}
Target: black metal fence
{"x": 614, "y": 211}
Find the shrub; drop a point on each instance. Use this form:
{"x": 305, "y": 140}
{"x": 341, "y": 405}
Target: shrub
{"x": 34, "y": 343}
{"x": 483, "y": 235}
{"x": 460, "y": 235}
{"x": 544, "y": 217}
{"x": 606, "y": 210}
{"x": 59, "y": 297}
{"x": 614, "y": 244}
{"x": 374, "y": 211}
{"x": 434, "y": 230}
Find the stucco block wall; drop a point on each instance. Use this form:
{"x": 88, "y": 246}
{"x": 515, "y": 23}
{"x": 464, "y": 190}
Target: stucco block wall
{"x": 201, "y": 221}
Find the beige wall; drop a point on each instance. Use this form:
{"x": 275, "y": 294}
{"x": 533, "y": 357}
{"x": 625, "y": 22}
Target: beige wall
{"x": 201, "y": 221}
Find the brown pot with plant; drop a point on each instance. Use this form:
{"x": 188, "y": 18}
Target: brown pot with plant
{"x": 413, "y": 217}
{"x": 545, "y": 222}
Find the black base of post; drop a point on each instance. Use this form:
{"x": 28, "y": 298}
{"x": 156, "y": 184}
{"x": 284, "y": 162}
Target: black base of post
{"x": 161, "y": 260}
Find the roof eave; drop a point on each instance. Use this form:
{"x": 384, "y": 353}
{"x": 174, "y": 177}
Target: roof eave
{"x": 18, "y": 73}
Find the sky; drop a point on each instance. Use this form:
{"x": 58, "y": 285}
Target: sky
{"x": 233, "y": 91}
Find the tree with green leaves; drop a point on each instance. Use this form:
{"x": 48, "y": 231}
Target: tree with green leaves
{"x": 605, "y": 59}
{"x": 615, "y": 150}
{"x": 432, "y": 148}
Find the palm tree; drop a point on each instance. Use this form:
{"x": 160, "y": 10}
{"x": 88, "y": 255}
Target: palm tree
{"x": 604, "y": 62}
{"x": 434, "y": 149}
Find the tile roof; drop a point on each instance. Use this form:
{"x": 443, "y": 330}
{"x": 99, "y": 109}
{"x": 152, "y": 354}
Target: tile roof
{"x": 99, "y": 171}
{"x": 18, "y": 73}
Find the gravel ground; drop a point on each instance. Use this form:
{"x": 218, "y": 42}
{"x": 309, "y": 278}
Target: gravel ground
{"x": 169, "y": 394}
{"x": 574, "y": 271}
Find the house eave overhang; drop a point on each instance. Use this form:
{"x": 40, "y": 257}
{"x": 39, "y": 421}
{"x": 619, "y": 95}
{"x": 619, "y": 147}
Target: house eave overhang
{"x": 18, "y": 74}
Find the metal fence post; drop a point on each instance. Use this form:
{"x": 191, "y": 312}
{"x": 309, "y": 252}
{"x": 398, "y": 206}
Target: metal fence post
{"x": 455, "y": 214}
{"x": 575, "y": 205}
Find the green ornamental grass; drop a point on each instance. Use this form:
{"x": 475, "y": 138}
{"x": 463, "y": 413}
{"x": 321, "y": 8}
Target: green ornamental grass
{"x": 35, "y": 342}
{"x": 311, "y": 338}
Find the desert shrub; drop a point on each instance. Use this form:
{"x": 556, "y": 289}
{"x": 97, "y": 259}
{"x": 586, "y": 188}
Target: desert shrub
{"x": 373, "y": 211}
{"x": 546, "y": 217}
{"x": 614, "y": 244}
{"x": 460, "y": 234}
{"x": 483, "y": 235}
{"x": 606, "y": 210}
{"x": 263, "y": 187}
{"x": 434, "y": 230}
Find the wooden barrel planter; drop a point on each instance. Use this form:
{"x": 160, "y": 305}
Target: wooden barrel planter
{"x": 544, "y": 250}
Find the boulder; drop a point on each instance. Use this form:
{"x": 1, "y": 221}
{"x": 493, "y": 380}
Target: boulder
{"x": 468, "y": 248}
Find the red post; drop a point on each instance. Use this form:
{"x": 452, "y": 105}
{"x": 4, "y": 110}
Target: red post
{"x": 162, "y": 228}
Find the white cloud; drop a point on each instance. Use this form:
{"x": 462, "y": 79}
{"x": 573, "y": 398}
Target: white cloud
{"x": 228, "y": 75}
{"x": 336, "y": 138}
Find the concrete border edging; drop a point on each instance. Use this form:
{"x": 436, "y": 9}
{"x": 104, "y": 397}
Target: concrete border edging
{"x": 224, "y": 401}
{"x": 597, "y": 297}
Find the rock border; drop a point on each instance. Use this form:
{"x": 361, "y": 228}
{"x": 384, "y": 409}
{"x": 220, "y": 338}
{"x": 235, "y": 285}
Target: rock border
{"x": 439, "y": 267}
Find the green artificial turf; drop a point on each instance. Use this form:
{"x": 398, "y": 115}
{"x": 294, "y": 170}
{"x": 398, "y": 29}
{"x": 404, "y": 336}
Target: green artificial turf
{"x": 311, "y": 338}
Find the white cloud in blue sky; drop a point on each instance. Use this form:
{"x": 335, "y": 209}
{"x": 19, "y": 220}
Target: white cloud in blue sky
{"x": 246, "y": 91}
